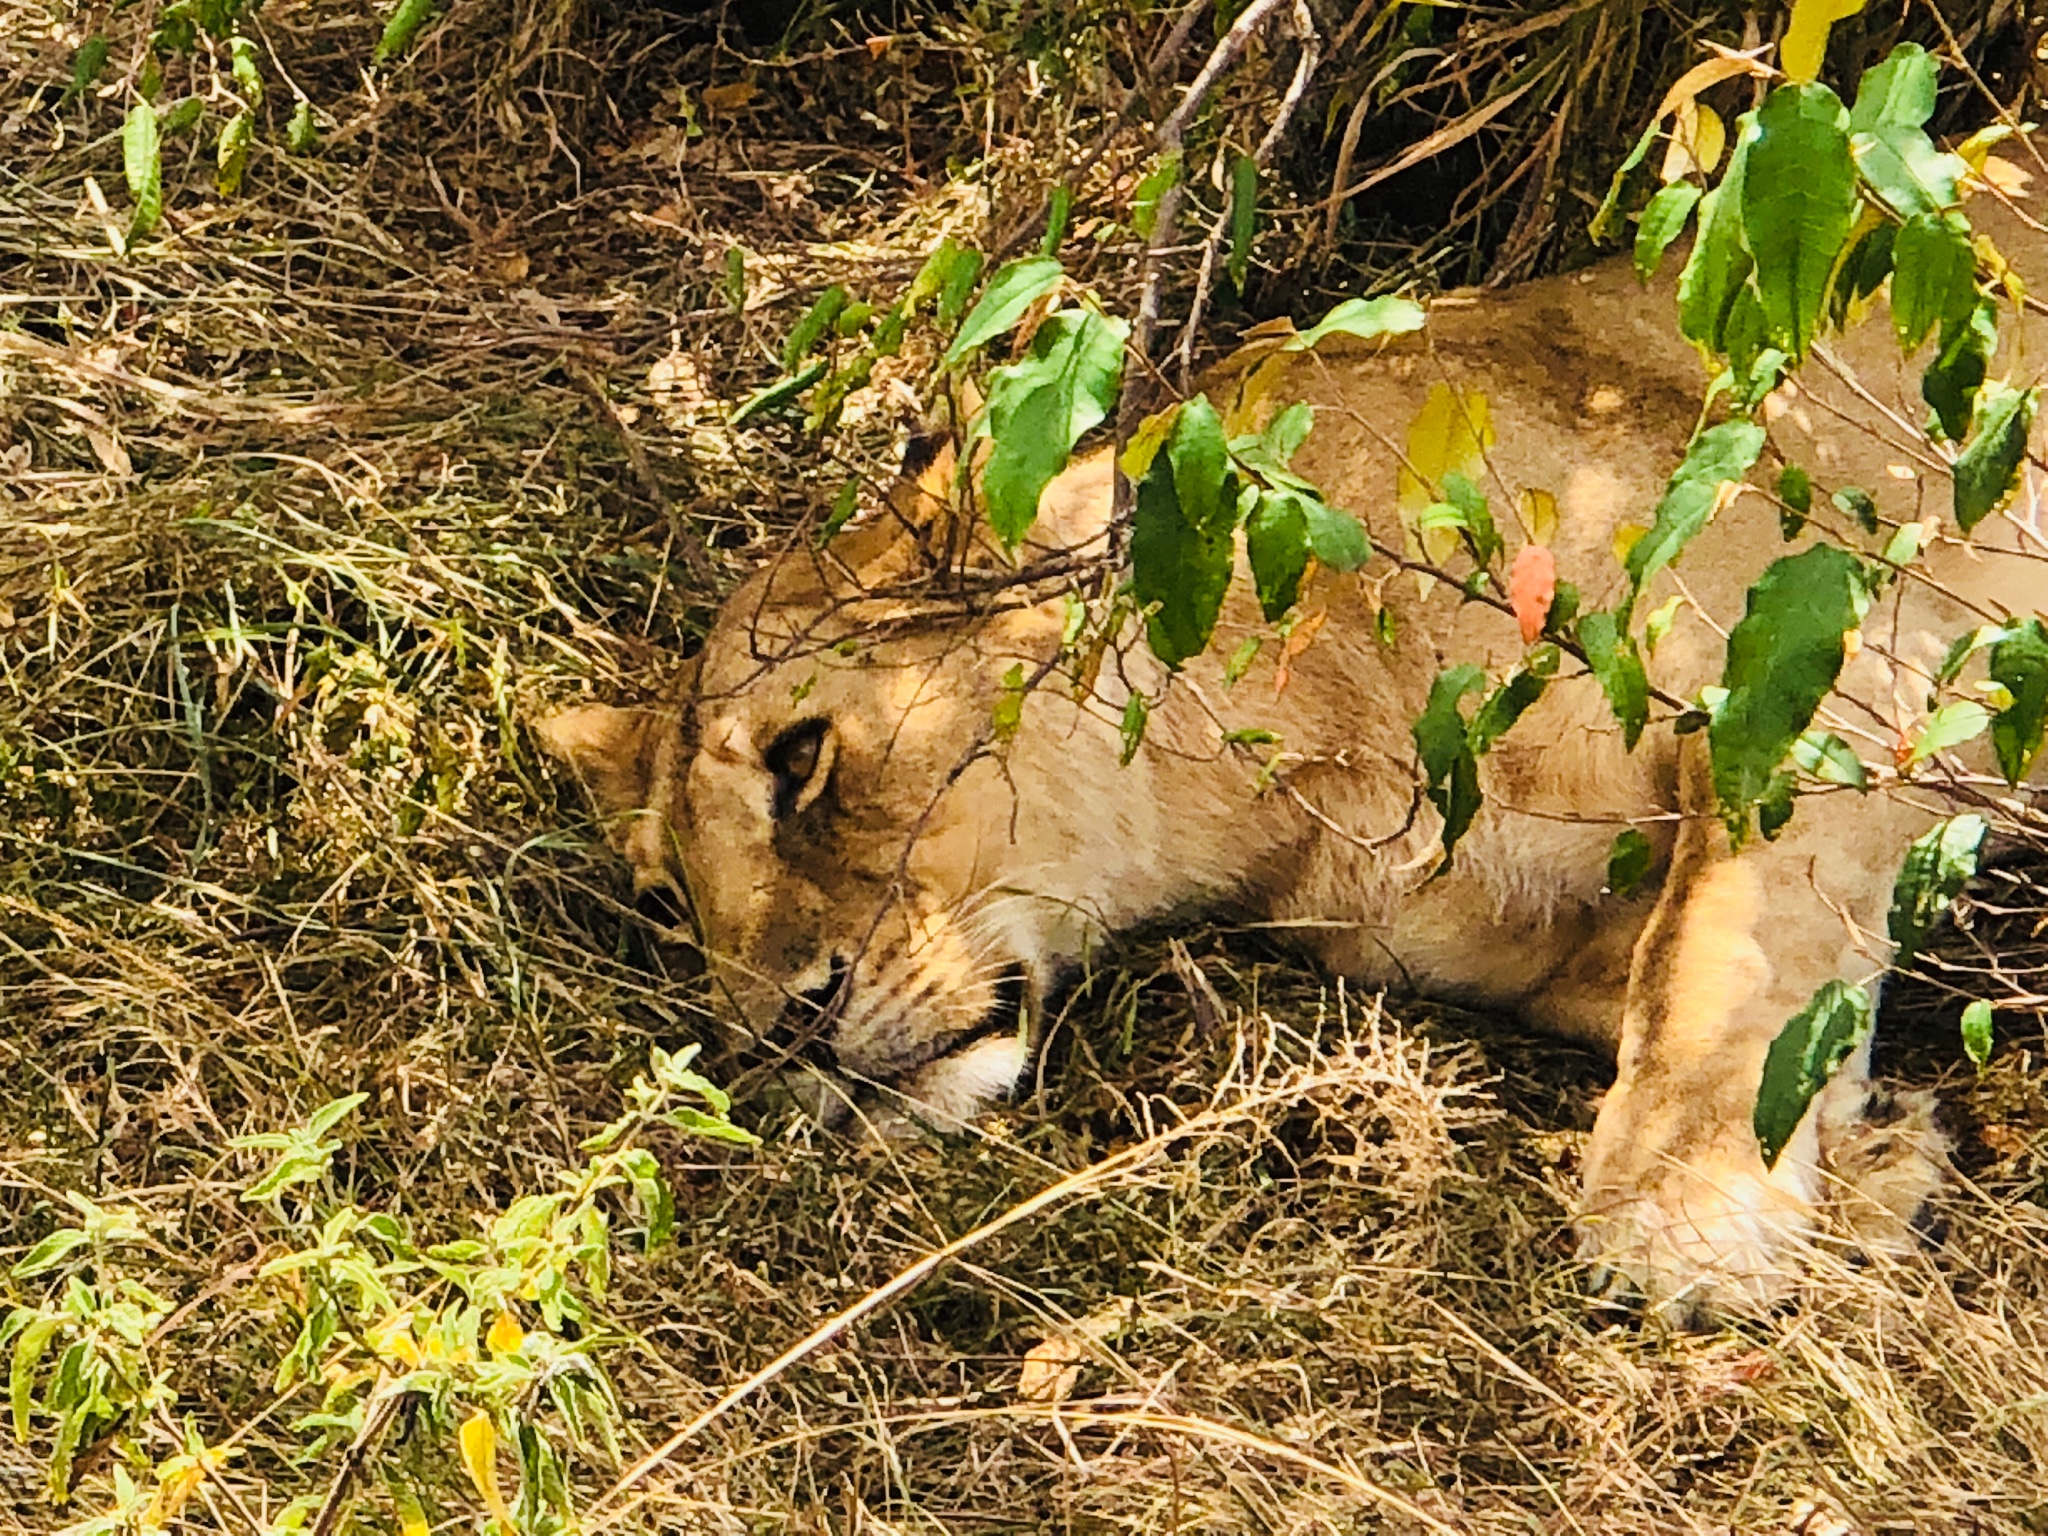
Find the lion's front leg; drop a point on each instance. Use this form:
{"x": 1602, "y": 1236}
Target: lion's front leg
{"x": 1678, "y": 1204}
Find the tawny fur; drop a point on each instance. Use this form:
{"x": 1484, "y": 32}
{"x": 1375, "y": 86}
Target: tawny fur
{"x": 928, "y": 872}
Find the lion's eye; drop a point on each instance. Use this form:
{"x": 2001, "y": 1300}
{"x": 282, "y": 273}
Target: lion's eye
{"x": 799, "y": 760}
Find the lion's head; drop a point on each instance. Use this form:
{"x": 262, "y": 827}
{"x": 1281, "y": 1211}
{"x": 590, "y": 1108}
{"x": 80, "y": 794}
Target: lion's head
{"x": 874, "y": 870}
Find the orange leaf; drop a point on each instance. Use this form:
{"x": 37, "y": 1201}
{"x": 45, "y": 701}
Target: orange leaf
{"x": 1531, "y": 586}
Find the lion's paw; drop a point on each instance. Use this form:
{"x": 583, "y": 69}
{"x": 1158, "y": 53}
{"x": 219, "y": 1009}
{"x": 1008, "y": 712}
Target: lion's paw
{"x": 1691, "y": 1245}
{"x": 1887, "y": 1170}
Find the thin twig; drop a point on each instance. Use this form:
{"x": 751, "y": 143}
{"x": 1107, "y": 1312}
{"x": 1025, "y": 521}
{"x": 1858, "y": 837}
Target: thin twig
{"x": 1304, "y": 71}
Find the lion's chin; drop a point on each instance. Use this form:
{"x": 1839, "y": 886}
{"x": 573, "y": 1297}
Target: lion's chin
{"x": 955, "y": 1088}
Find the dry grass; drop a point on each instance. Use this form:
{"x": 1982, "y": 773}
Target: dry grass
{"x": 311, "y": 503}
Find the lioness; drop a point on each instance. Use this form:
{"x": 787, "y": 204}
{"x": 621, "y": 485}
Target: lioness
{"x": 858, "y": 844}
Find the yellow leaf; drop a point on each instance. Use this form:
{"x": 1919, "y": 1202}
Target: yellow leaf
{"x": 1697, "y": 139}
{"x": 1245, "y": 410}
{"x": 1974, "y": 150}
{"x": 1452, "y": 431}
{"x": 1705, "y": 76}
{"x": 1538, "y": 511}
{"x": 506, "y": 1335}
{"x": 1805, "y": 43}
{"x": 1625, "y": 538}
{"x": 392, "y": 1339}
{"x": 177, "y": 1480}
{"x": 1146, "y": 442}
{"x": 412, "y": 1518}
{"x": 730, "y": 98}
{"x": 478, "y": 1439}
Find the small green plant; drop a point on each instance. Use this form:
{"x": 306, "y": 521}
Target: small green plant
{"x": 488, "y": 1343}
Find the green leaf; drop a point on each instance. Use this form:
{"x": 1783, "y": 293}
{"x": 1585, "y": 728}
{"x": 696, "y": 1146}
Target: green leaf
{"x": 1808, "y": 1051}
{"x": 1628, "y": 861}
{"x": 1798, "y": 206}
{"x": 1949, "y": 726}
{"x": 1938, "y": 865}
{"x": 657, "y": 1203}
{"x": 1131, "y": 729}
{"x": 242, "y": 66}
{"x": 1612, "y": 655}
{"x": 1795, "y": 489}
{"x": 1244, "y": 218}
{"x": 1511, "y": 700}
{"x": 1986, "y": 473}
{"x": 1908, "y": 174}
{"x": 844, "y": 505}
{"x": 2019, "y": 665}
{"x": 1335, "y": 537}
{"x": 21, "y": 1375}
{"x": 1716, "y": 456}
{"x": 402, "y": 27}
{"x": 1477, "y": 518}
{"x": 808, "y": 331}
{"x": 1041, "y": 405}
{"x": 1977, "y": 1033}
{"x": 1155, "y": 185}
{"x": 329, "y": 1115}
{"x": 1853, "y": 501}
{"x": 1178, "y": 567}
{"x": 47, "y": 1254}
{"x": 87, "y": 65}
{"x": 710, "y": 1127}
{"x": 181, "y": 116}
{"x": 1662, "y": 220}
{"x": 937, "y": 271}
{"x": 1830, "y": 759}
{"x": 1934, "y": 276}
{"x": 779, "y": 393}
{"x": 1863, "y": 270}
{"x": 302, "y": 133}
{"x": 1747, "y": 340}
{"x": 1367, "y": 319}
{"x": 1058, "y": 207}
{"x": 1287, "y": 431}
{"x": 1442, "y": 740}
{"x": 1606, "y": 216}
{"x": 231, "y": 154}
{"x": 1008, "y": 713}
{"x": 1963, "y": 647}
{"x": 142, "y": 164}
{"x": 1014, "y": 289}
{"x": 1774, "y": 805}
{"x": 1898, "y": 92}
{"x": 1783, "y": 658}
{"x": 1718, "y": 269}
{"x": 1201, "y": 466}
{"x": 1276, "y": 542}
{"x": 961, "y": 274}
{"x": 1951, "y": 381}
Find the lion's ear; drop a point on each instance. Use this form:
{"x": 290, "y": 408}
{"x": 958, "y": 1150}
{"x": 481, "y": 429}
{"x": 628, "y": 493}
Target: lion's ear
{"x": 628, "y": 760}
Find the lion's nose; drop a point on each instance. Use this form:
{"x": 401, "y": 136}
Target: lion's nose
{"x": 808, "y": 1017}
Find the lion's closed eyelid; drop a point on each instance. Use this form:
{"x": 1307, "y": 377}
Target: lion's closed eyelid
{"x": 800, "y": 758}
